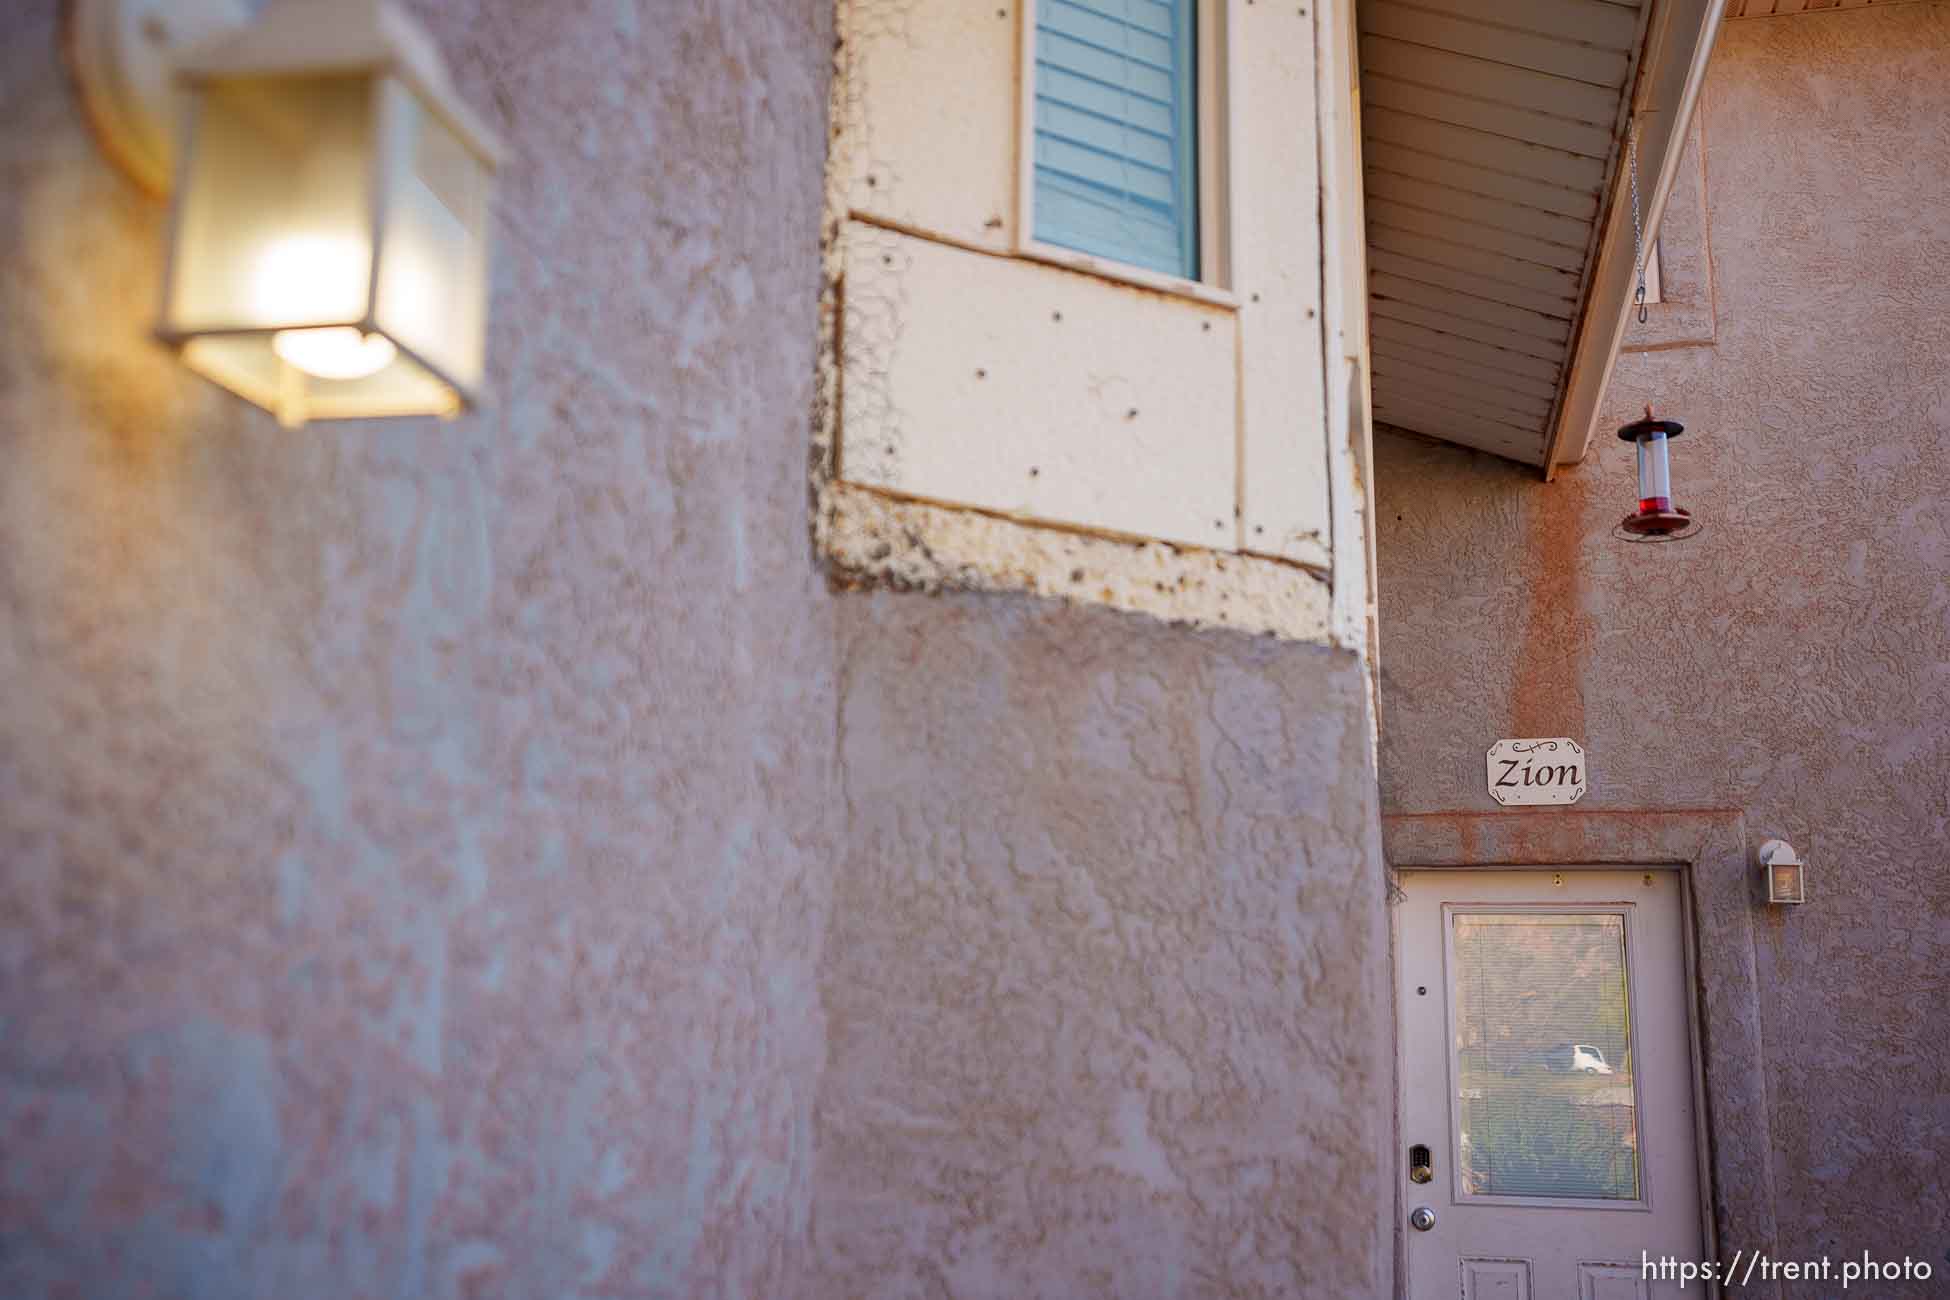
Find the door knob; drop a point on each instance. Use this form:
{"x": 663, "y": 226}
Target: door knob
{"x": 1422, "y": 1218}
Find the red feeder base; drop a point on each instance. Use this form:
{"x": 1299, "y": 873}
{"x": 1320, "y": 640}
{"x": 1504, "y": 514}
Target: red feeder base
{"x": 1657, "y": 523}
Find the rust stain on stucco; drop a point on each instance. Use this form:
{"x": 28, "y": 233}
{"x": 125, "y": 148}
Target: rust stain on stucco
{"x": 1557, "y": 632}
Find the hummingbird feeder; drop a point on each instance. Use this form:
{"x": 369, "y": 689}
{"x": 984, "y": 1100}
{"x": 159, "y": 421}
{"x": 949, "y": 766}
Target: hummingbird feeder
{"x": 1657, "y": 519}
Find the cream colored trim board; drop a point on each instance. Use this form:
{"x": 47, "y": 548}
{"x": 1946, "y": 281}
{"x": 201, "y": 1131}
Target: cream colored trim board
{"x": 1344, "y": 337}
{"x": 1684, "y": 314}
{"x": 996, "y": 415}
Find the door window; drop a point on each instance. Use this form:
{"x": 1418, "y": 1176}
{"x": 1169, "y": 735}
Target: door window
{"x": 1540, "y": 1019}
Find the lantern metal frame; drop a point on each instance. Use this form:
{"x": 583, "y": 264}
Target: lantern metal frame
{"x": 122, "y": 54}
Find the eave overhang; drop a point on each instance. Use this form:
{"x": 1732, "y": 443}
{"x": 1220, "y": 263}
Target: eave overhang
{"x": 1679, "y": 44}
{"x": 1500, "y": 245}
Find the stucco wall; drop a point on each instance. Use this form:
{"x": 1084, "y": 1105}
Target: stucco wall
{"x": 1106, "y": 977}
{"x": 417, "y": 838}
{"x": 483, "y": 859}
{"x": 1793, "y": 662}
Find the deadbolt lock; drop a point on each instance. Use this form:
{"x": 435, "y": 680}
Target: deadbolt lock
{"x": 1420, "y": 1168}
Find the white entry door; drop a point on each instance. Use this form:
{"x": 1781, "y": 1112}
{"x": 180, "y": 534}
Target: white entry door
{"x": 1548, "y": 1128}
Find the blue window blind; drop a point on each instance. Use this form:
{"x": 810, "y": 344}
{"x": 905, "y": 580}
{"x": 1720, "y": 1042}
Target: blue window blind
{"x": 1116, "y": 131}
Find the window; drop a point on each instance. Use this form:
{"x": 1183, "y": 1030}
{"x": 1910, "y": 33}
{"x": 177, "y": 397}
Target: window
{"x": 1127, "y": 141}
{"x": 1116, "y": 126}
{"x": 1041, "y": 365}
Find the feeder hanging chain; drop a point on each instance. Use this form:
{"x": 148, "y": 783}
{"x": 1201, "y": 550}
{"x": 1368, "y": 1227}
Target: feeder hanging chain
{"x": 1638, "y": 231}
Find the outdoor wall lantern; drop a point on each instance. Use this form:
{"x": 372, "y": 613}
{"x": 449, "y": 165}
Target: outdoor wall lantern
{"x": 1656, "y": 519}
{"x": 328, "y": 225}
{"x": 1786, "y": 882}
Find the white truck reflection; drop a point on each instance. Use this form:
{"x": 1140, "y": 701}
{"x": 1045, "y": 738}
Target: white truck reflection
{"x": 1564, "y": 1058}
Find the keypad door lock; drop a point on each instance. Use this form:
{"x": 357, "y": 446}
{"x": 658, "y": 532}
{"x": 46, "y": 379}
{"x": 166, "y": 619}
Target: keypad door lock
{"x": 1421, "y": 1168}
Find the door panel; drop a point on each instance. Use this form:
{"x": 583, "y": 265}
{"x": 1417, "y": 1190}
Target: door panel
{"x": 1496, "y": 1279}
{"x": 1610, "y": 1282}
{"x": 1547, "y": 1068}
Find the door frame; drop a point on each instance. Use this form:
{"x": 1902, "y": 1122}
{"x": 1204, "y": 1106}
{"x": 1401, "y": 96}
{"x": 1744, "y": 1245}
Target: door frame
{"x": 1719, "y": 896}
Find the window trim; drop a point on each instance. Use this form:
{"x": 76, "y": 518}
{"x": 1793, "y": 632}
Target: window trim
{"x": 1682, "y": 307}
{"x": 1218, "y": 239}
{"x": 1654, "y": 284}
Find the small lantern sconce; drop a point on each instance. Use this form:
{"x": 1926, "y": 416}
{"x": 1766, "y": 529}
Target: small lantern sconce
{"x": 1786, "y": 882}
{"x": 1656, "y": 519}
{"x": 328, "y": 228}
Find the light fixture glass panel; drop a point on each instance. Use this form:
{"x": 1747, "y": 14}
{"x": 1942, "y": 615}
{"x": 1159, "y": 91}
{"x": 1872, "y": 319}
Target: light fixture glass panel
{"x": 334, "y": 351}
{"x": 1655, "y": 472}
{"x": 249, "y": 365}
{"x": 433, "y": 239}
{"x": 275, "y": 205}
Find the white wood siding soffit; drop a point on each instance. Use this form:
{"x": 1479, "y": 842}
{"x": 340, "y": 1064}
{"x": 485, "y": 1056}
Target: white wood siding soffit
{"x": 1499, "y": 227}
{"x": 1491, "y": 132}
{"x": 1780, "y": 8}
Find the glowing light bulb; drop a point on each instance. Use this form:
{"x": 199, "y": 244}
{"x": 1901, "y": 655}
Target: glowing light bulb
{"x": 312, "y": 277}
{"x": 334, "y": 351}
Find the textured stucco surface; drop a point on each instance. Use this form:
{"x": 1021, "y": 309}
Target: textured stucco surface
{"x": 417, "y": 838}
{"x": 1106, "y": 977}
{"x": 485, "y": 859}
{"x": 1793, "y": 663}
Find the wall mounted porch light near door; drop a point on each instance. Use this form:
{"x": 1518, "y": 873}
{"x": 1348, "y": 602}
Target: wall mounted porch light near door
{"x": 1786, "y": 874}
{"x": 328, "y": 224}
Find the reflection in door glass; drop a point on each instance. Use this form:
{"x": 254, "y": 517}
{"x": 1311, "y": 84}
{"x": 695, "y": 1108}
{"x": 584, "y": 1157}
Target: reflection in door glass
{"x": 1545, "y": 1102}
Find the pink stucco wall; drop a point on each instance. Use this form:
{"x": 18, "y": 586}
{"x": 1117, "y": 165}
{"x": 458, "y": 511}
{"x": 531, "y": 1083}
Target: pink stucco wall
{"x": 1793, "y": 662}
{"x": 484, "y": 860}
{"x": 417, "y": 839}
{"x": 1106, "y": 975}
